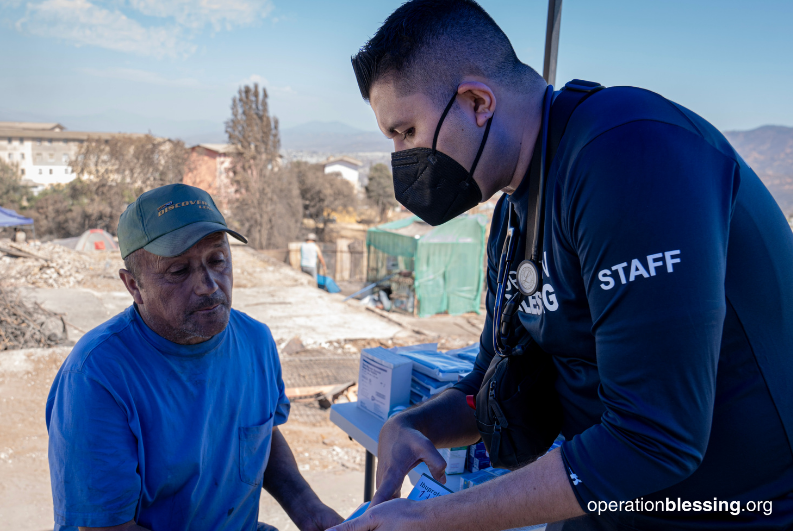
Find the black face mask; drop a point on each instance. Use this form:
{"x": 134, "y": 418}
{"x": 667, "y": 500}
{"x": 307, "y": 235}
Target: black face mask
{"x": 432, "y": 185}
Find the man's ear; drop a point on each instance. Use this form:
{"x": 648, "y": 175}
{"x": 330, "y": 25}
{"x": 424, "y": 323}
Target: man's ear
{"x": 480, "y": 98}
{"x": 131, "y": 284}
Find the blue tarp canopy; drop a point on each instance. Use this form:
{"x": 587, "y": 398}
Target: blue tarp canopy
{"x": 9, "y": 218}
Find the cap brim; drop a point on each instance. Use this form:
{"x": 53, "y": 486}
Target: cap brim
{"x": 180, "y": 240}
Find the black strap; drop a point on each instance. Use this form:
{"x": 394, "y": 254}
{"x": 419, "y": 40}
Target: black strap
{"x": 440, "y": 122}
{"x": 570, "y": 97}
{"x": 481, "y": 145}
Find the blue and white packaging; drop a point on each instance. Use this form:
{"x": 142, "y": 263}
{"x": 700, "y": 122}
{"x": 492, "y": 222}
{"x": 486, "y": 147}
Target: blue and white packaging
{"x": 383, "y": 381}
{"x": 455, "y": 459}
{"x": 427, "y": 360}
{"x": 432, "y": 386}
{"x": 478, "y": 458}
{"x": 359, "y": 511}
{"x": 416, "y": 398}
{"x": 427, "y": 488}
{"x": 468, "y": 353}
{"x": 478, "y": 463}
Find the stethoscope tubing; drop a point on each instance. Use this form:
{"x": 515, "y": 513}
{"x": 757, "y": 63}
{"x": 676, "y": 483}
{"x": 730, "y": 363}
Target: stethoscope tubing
{"x": 508, "y": 250}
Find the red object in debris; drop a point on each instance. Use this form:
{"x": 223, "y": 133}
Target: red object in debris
{"x": 99, "y": 246}
{"x": 471, "y": 400}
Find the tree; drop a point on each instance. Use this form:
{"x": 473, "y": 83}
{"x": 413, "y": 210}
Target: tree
{"x": 131, "y": 164}
{"x": 322, "y": 194}
{"x": 380, "y": 189}
{"x": 13, "y": 193}
{"x": 266, "y": 204}
{"x": 111, "y": 173}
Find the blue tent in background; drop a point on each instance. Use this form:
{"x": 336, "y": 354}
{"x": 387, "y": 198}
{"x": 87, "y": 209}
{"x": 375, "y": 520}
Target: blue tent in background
{"x": 9, "y": 218}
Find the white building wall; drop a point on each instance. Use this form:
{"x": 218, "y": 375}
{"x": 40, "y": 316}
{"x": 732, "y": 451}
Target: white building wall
{"x": 44, "y": 162}
{"x": 347, "y": 172}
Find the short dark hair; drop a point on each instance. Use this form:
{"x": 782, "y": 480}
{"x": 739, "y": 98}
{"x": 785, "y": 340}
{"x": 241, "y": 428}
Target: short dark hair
{"x": 430, "y": 45}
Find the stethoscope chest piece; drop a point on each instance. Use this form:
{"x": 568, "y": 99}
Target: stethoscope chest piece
{"x": 528, "y": 278}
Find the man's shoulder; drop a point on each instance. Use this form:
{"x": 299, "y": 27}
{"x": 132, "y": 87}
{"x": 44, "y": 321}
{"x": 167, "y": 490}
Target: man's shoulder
{"x": 606, "y": 111}
{"x": 241, "y": 322}
{"x": 107, "y": 337}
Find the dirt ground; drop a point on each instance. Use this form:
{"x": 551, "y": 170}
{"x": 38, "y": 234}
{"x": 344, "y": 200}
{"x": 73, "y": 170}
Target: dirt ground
{"x": 87, "y": 293}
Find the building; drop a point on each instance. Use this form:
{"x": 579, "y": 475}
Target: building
{"x": 348, "y": 167}
{"x": 209, "y": 169}
{"x": 41, "y": 151}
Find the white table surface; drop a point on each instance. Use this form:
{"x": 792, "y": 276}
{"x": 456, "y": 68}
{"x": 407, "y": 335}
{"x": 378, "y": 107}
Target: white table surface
{"x": 365, "y": 428}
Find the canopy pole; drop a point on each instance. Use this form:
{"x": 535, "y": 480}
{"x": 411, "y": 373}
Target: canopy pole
{"x": 552, "y": 41}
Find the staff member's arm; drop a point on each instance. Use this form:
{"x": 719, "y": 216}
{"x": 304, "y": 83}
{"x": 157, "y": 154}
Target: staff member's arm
{"x": 446, "y": 421}
{"x": 639, "y": 192}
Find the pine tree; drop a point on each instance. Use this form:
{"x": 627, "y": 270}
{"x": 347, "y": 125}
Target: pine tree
{"x": 266, "y": 205}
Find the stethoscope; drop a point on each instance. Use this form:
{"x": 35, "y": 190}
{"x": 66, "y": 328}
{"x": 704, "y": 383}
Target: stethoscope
{"x": 528, "y": 275}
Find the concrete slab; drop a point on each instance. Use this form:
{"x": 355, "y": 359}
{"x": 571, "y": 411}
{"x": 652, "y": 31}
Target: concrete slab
{"x": 313, "y": 315}
{"x": 305, "y": 311}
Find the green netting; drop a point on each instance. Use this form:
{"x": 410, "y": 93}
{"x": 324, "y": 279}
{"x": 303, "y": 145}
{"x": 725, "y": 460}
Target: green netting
{"x": 447, "y": 261}
{"x": 395, "y": 238}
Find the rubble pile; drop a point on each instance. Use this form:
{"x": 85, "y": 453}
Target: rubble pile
{"x": 25, "y": 324}
{"x": 49, "y": 265}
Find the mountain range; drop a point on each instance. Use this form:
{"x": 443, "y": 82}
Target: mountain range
{"x": 333, "y": 137}
{"x": 768, "y": 150}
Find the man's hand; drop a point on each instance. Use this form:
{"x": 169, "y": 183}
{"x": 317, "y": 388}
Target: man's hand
{"x": 317, "y": 517}
{"x": 399, "y": 450}
{"x": 395, "y": 515}
{"x": 284, "y": 482}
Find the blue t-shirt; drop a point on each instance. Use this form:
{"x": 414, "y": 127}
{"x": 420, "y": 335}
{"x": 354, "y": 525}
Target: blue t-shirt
{"x": 176, "y": 437}
{"x": 667, "y": 306}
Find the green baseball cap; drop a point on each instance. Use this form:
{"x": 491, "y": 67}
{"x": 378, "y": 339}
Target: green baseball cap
{"x": 168, "y": 220}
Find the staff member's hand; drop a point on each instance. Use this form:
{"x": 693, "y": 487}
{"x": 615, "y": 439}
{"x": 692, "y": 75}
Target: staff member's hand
{"x": 400, "y": 448}
{"x": 395, "y": 515}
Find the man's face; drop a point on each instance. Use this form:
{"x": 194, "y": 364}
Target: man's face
{"x": 410, "y": 121}
{"x": 185, "y": 299}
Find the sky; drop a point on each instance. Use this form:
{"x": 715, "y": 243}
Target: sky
{"x": 172, "y": 66}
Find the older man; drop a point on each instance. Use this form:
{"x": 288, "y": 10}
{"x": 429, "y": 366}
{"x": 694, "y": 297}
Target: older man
{"x": 165, "y": 417}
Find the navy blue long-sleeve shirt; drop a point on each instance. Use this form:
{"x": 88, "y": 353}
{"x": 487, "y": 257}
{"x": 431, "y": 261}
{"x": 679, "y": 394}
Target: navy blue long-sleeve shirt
{"x": 667, "y": 305}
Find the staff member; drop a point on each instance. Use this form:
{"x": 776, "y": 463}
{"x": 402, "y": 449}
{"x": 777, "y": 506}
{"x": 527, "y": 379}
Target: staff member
{"x": 666, "y": 300}
{"x": 166, "y": 416}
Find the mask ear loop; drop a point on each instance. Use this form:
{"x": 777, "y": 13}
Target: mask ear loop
{"x": 482, "y": 145}
{"x": 440, "y": 122}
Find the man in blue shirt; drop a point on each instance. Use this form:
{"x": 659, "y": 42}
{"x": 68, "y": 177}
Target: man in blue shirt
{"x": 666, "y": 296}
{"x": 165, "y": 417}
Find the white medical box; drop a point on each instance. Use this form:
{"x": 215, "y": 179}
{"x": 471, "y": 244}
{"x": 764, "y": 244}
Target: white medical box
{"x": 383, "y": 381}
